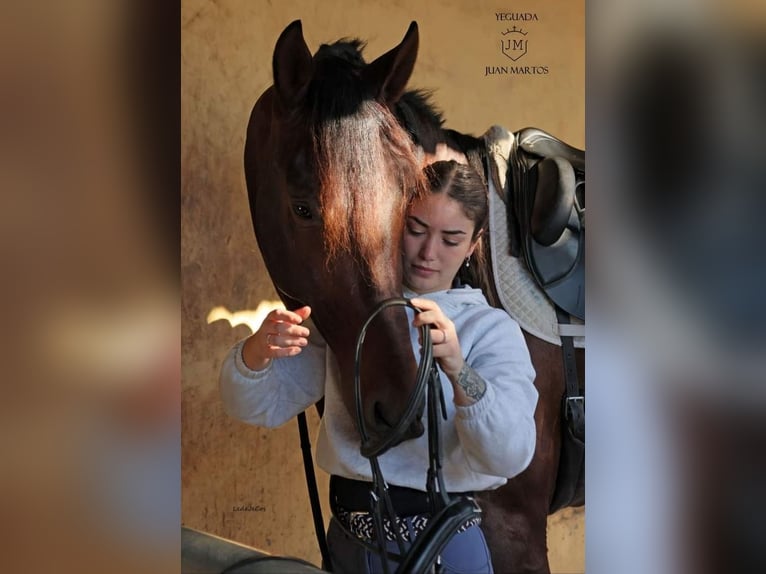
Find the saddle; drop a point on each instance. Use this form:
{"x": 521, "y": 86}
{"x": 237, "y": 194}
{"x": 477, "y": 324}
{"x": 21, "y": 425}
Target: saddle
{"x": 547, "y": 203}
{"x": 545, "y": 206}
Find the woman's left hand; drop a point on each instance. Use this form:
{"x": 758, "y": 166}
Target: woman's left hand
{"x": 446, "y": 345}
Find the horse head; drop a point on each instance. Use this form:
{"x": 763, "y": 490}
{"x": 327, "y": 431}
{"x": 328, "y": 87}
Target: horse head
{"x": 329, "y": 171}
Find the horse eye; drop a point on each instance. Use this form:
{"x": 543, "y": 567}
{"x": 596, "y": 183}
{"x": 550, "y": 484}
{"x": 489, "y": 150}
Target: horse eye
{"x": 302, "y": 211}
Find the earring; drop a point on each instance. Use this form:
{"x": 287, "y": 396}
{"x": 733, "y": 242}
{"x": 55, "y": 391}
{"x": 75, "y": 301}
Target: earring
{"x": 467, "y": 262}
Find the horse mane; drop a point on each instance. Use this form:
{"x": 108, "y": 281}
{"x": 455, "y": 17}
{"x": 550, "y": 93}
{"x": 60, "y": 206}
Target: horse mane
{"x": 421, "y": 118}
{"x": 363, "y": 158}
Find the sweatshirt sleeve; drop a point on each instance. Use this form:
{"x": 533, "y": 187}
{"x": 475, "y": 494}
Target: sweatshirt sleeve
{"x": 274, "y": 395}
{"x": 498, "y": 432}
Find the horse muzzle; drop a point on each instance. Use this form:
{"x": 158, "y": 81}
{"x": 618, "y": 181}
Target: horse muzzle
{"x": 384, "y": 434}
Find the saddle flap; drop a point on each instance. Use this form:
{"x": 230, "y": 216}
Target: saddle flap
{"x": 555, "y": 261}
{"x": 569, "y": 293}
{"x": 553, "y": 199}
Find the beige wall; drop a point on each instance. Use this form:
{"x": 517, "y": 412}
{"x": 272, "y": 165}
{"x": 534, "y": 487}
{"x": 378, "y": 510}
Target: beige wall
{"x": 226, "y": 55}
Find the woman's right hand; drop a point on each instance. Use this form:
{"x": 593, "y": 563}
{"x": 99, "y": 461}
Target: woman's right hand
{"x": 280, "y": 335}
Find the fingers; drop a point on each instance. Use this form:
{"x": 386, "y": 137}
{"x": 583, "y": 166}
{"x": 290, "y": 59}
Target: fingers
{"x": 279, "y": 352}
{"x": 423, "y": 304}
{"x": 283, "y": 335}
{"x": 438, "y": 336}
{"x": 286, "y": 330}
{"x": 280, "y": 335}
{"x": 303, "y": 312}
{"x": 445, "y": 348}
{"x": 296, "y": 317}
{"x": 442, "y": 329}
{"x": 431, "y": 314}
{"x": 444, "y": 340}
{"x": 274, "y": 340}
{"x": 284, "y": 323}
{"x": 435, "y": 318}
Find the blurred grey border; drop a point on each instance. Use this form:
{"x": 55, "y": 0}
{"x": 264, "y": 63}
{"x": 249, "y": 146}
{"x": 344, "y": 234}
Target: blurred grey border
{"x": 676, "y": 285}
{"x": 91, "y": 349}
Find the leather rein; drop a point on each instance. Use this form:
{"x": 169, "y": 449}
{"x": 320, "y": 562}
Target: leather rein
{"x": 448, "y": 512}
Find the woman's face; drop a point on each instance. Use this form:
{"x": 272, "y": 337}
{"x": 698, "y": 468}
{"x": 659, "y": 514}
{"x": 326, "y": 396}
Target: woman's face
{"x": 437, "y": 240}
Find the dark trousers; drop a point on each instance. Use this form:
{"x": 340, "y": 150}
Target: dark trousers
{"x": 465, "y": 553}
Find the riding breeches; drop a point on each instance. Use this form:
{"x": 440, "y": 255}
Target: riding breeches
{"x": 465, "y": 553}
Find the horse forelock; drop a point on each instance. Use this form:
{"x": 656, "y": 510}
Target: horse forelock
{"x": 368, "y": 169}
{"x": 365, "y": 162}
{"x": 347, "y": 49}
{"x": 336, "y": 88}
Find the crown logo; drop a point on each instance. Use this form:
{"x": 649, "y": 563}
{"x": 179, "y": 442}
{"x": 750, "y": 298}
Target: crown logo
{"x": 519, "y": 31}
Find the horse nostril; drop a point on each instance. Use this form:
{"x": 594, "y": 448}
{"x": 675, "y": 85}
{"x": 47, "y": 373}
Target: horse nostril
{"x": 414, "y": 430}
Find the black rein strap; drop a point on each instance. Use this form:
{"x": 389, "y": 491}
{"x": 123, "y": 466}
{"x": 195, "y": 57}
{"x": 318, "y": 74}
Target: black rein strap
{"x": 447, "y": 514}
{"x": 370, "y": 449}
{"x": 311, "y": 483}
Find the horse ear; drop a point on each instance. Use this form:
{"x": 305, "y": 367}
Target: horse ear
{"x": 388, "y": 75}
{"x": 292, "y": 65}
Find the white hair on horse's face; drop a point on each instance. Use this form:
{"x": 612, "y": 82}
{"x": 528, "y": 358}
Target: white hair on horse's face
{"x": 367, "y": 168}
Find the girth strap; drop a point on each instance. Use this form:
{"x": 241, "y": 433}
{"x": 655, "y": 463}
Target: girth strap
{"x": 574, "y": 400}
{"x": 571, "y": 471}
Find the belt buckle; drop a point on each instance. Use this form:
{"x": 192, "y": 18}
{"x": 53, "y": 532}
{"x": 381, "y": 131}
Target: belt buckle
{"x": 574, "y": 403}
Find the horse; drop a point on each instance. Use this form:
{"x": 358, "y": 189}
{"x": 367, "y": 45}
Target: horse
{"x": 333, "y": 154}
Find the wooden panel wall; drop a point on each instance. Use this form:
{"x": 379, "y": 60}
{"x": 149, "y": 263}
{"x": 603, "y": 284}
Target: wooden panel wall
{"x": 246, "y": 483}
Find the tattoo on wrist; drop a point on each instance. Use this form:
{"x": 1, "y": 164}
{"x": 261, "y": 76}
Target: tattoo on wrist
{"x": 471, "y": 382}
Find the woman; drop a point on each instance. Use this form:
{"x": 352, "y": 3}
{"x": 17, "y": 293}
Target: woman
{"x": 485, "y": 369}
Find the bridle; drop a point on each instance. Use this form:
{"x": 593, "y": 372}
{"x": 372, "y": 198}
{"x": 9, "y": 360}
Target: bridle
{"x": 448, "y": 513}
{"x": 426, "y": 370}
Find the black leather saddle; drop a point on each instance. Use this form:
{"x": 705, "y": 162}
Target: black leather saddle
{"x": 547, "y": 201}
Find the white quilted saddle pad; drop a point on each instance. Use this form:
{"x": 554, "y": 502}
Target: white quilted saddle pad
{"x": 519, "y": 294}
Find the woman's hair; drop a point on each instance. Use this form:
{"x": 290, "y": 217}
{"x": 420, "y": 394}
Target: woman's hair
{"x": 463, "y": 184}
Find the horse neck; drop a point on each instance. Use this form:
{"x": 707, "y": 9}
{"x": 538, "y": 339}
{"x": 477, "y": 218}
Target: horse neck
{"x": 425, "y": 123}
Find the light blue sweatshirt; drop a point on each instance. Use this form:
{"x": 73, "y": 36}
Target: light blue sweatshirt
{"x": 484, "y": 444}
